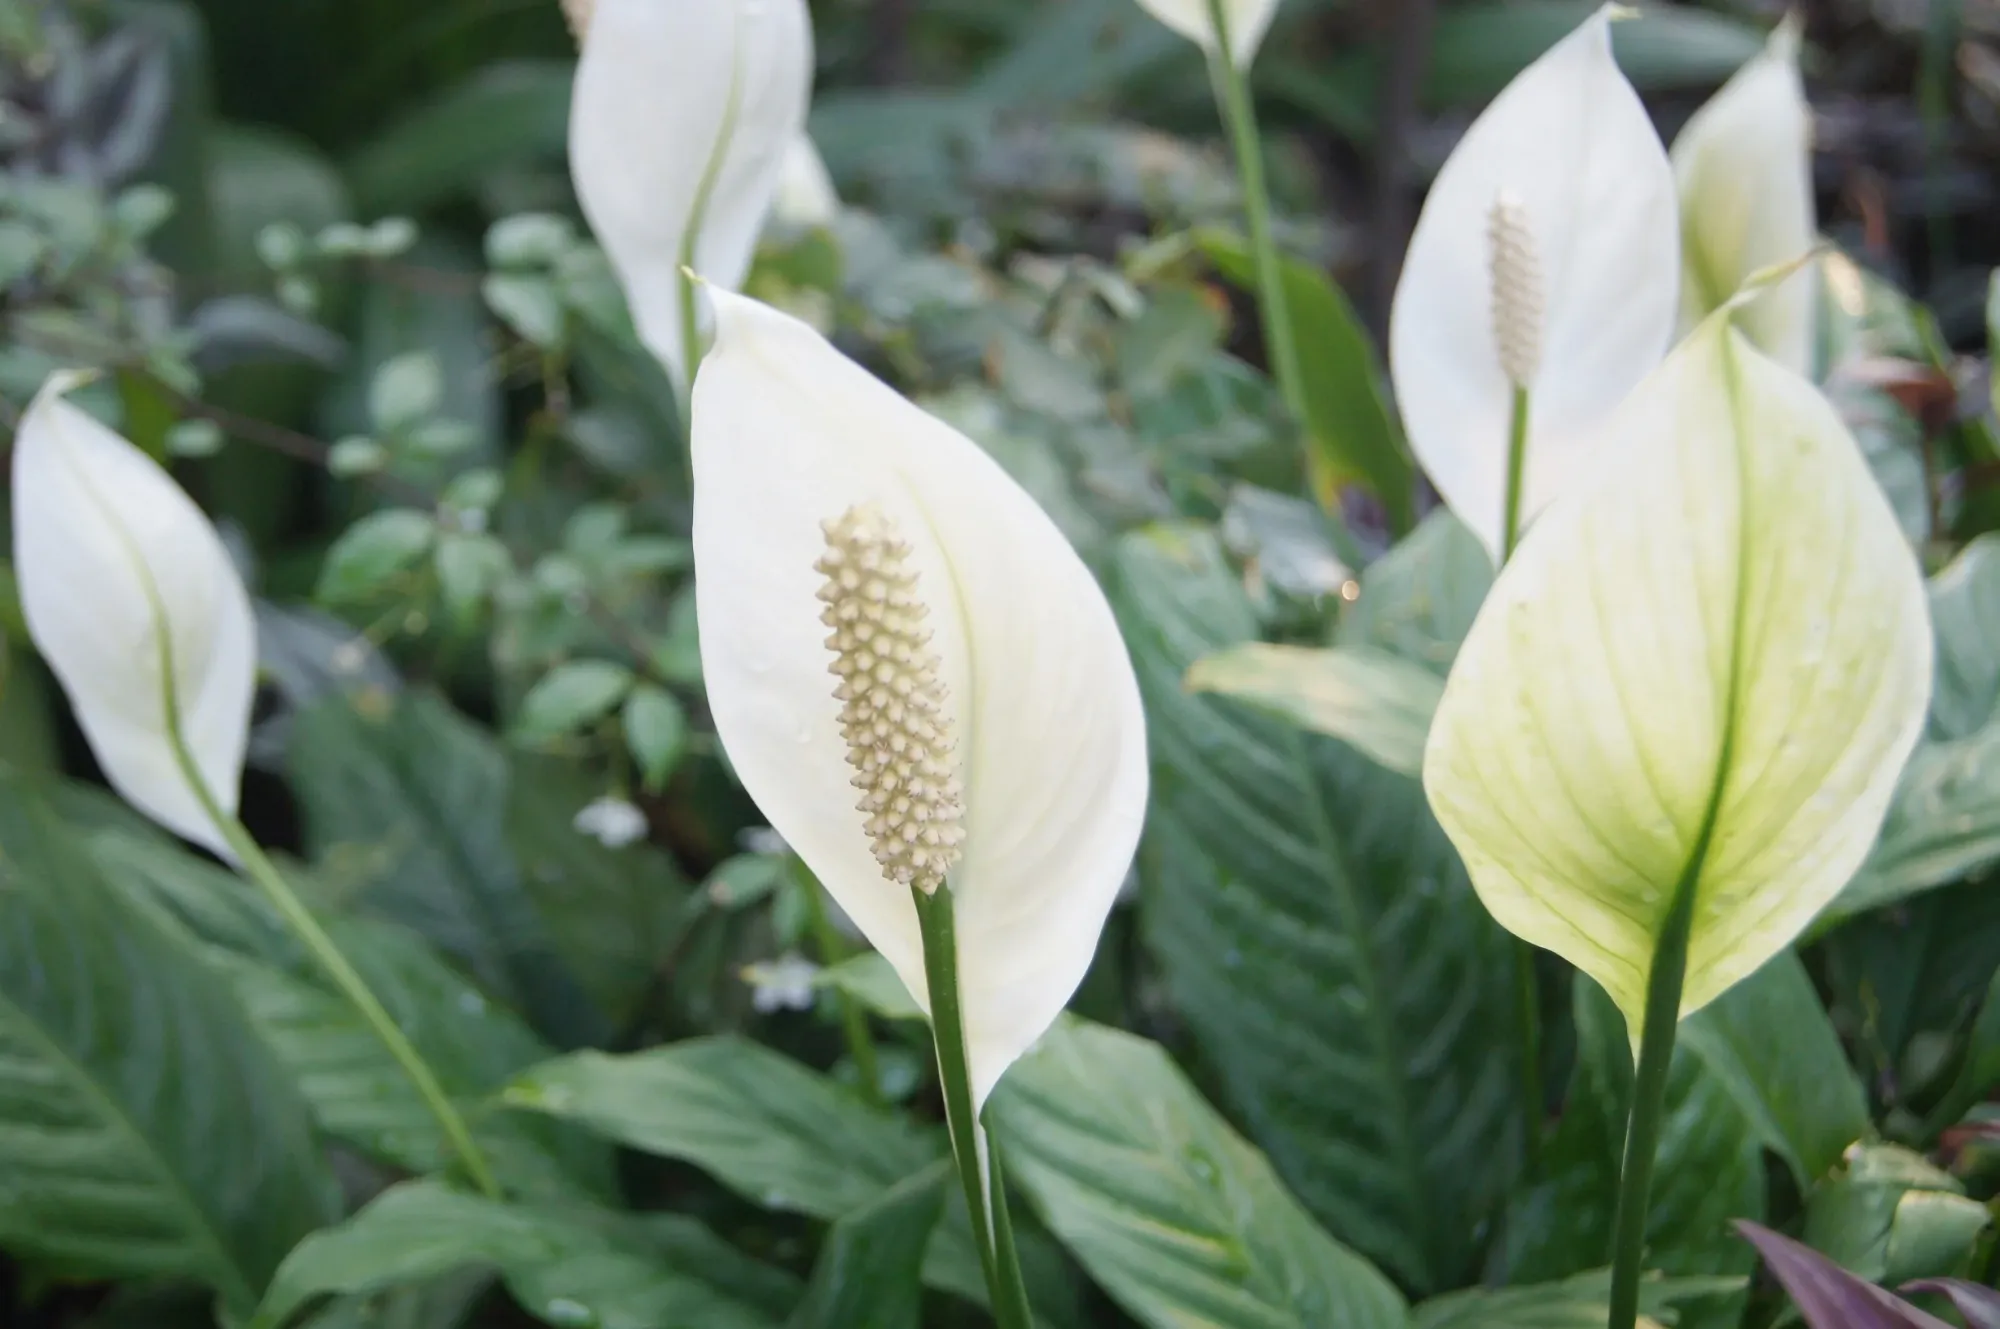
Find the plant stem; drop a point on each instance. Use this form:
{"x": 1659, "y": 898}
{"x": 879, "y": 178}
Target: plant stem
{"x": 940, "y": 934}
{"x": 853, "y": 1020}
{"x": 327, "y": 953}
{"x": 1649, "y": 1096}
{"x": 1239, "y": 116}
{"x": 1528, "y": 997}
{"x": 1007, "y": 1259}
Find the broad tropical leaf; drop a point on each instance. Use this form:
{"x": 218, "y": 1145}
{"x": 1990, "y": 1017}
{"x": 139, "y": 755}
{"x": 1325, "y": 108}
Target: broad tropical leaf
{"x": 1319, "y": 933}
{"x": 868, "y": 1273}
{"x": 1893, "y": 1216}
{"x": 566, "y": 1267}
{"x": 1580, "y": 1302}
{"x": 1377, "y": 703}
{"x": 1827, "y": 1295}
{"x": 145, "y": 1128}
{"x": 1177, "y": 1216}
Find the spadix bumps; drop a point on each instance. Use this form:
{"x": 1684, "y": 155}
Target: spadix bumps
{"x": 1704, "y": 670}
{"x": 992, "y": 637}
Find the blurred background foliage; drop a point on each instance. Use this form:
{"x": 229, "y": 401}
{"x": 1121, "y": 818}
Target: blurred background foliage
{"x": 327, "y": 253}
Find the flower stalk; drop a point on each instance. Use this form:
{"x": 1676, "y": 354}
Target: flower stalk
{"x": 853, "y": 1019}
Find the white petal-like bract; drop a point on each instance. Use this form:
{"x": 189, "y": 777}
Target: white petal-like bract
{"x": 119, "y": 569}
{"x": 806, "y": 196}
{"x": 1708, "y": 665}
{"x": 1568, "y": 158}
{"x": 1039, "y": 705}
{"x": 681, "y": 119}
{"x": 1744, "y": 165}
{"x": 1248, "y": 20}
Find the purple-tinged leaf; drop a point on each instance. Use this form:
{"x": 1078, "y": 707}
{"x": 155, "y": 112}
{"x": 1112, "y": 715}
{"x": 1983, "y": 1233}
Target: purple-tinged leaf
{"x": 1980, "y": 1306}
{"x": 1827, "y": 1295}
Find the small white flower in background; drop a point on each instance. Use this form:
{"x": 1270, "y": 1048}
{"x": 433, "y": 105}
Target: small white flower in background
{"x": 1744, "y": 165}
{"x": 788, "y": 983}
{"x": 679, "y": 128}
{"x": 612, "y": 822}
{"x": 913, "y": 674}
{"x": 1547, "y": 257}
{"x": 806, "y": 196}
{"x": 119, "y": 573}
{"x": 1248, "y": 21}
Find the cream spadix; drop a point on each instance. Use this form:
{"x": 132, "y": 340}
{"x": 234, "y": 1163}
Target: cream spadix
{"x": 1248, "y": 21}
{"x": 121, "y": 576}
{"x": 1702, "y": 672}
{"x": 681, "y": 120}
{"x": 914, "y": 675}
{"x": 1561, "y": 197}
{"x": 1744, "y": 166}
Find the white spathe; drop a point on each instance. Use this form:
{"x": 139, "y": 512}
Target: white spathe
{"x": 1714, "y": 656}
{"x": 1744, "y": 166}
{"x": 1569, "y": 149}
{"x": 1248, "y": 20}
{"x": 1039, "y": 691}
{"x": 118, "y": 568}
{"x": 681, "y": 121}
{"x": 806, "y": 196}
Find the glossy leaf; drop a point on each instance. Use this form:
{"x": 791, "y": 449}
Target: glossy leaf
{"x": 566, "y": 1267}
{"x": 1979, "y": 1306}
{"x": 124, "y": 1064}
{"x": 1579, "y": 1302}
{"x": 1375, "y": 702}
{"x": 867, "y": 1275}
{"x": 1177, "y": 1216}
{"x": 1894, "y": 1216}
{"x": 1306, "y": 909}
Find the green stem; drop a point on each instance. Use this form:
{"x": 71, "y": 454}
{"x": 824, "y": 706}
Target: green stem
{"x": 1517, "y": 471}
{"x": 832, "y": 950}
{"x": 1527, "y": 991}
{"x": 1649, "y": 1097}
{"x": 940, "y": 936}
{"x": 1239, "y": 115}
{"x": 1013, "y": 1288}
{"x": 327, "y": 953}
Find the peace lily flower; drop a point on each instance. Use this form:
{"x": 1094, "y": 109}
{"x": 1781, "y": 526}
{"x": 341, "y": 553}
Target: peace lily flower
{"x": 806, "y": 196}
{"x": 1247, "y": 20}
{"x": 133, "y": 601}
{"x": 1744, "y": 163}
{"x": 1679, "y": 718}
{"x": 913, "y": 673}
{"x": 1544, "y": 274}
{"x": 682, "y": 117}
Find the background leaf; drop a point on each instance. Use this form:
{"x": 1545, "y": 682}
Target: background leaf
{"x": 1175, "y": 1214}
{"x": 1307, "y": 912}
{"x": 867, "y": 1276}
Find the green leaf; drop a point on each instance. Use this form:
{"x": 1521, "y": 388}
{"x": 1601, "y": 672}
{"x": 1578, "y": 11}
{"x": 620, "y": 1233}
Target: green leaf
{"x": 568, "y": 1268}
{"x": 570, "y": 697}
{"x": 469, "y": 569}
{"x": 530, "y": 305}
{"x": 406, "y": 390}
{"x": 1579, "y": 1302}
{"x": 1965, "y": 611}
{"x": 871, "y": 980}
{"x": 370, "y": 552}
{"x": 615, "y": 916}
{"x": 145, "y": 1129}
{"x": 1979, "y": 1068}
{"x": 1418, "y": 601}
{"x": 1171, "y": 1211}
{"x": 1797, "y": 1090}
{"x": 1321, "y": 939}
{"x": 357, "y": 1091}
{"x": 867, "y": 1275}
{"x": 1894, "y": 1217}
{"x": 420, "y": 795}
{"x": 1347, "y": 415}
{"x": 760, "y": 1123}
{"x": 1617, "y": 747}
{"x": 656, "y": 732}
{"x": 1376, "y": 703}
{"x": 505, "y": 115}
{"x": 1710, "y": 1170}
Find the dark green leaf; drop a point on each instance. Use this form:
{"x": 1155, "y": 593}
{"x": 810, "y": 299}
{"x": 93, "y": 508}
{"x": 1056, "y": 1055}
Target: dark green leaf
{"x": 868, "y": 1273}
{"x": 1322, "y": 940}
{"x": 1176, "y": 1215}
{"x": 426, "y": 793}
{"x": 145, "y": 1129}
{"x": 1347, "y": 415}
{"x": 568, "y": 1267}
{"x": 373, "y": 550}
{"x": 1979, "y": 1069}
{"x": 1581, "y": 1302}
{"x": 506, "y": 115}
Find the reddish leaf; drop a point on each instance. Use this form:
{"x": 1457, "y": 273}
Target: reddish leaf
{"x": 1980, "y": 1306}
{"x": 1828, "y": 1296}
